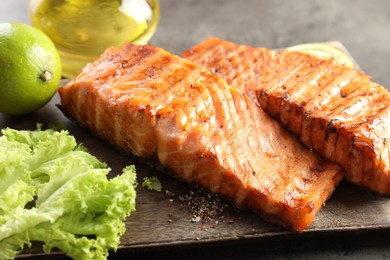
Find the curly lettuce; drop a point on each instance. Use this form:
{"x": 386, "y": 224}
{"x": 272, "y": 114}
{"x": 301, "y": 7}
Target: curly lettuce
{"x": 53, "y": 191}
{"x": 152, "y": 183}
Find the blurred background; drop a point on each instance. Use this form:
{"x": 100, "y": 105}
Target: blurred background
{"x": 362, "y": 26}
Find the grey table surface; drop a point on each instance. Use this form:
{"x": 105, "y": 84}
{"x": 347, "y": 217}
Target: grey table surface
{"x": 364, "y": 29}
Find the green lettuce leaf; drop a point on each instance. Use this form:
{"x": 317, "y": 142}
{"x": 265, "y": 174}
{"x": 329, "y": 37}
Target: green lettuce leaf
{"x": 152, "y": 183}
{"x": 59, "y": 194}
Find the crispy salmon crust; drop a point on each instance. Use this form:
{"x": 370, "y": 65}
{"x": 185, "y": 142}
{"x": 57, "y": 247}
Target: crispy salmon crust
{"x": 336, "y": 111}
{"x": 149, "y": 102}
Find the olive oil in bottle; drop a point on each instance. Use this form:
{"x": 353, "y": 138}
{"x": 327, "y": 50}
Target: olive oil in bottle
{"x": 83, "y": 29}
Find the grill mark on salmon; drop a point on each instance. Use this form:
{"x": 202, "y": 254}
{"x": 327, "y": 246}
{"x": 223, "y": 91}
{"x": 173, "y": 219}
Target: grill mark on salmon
{"x": 239, "y": 65}
{"x": 154, "y": 104}
{"x": 337, "y": 120}
{"x": 287, "y": 109}
{"x": 313, "y": 106}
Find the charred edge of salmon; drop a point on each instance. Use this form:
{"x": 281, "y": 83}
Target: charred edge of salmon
{"x": 359, "y": 147}
{"x": 82, "y": 99}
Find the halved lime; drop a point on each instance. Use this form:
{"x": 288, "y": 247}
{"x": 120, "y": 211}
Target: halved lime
{"x": 325, "y": 51}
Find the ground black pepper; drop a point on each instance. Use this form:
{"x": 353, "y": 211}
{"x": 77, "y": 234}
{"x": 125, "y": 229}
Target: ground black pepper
{"x": 204, "y": 207}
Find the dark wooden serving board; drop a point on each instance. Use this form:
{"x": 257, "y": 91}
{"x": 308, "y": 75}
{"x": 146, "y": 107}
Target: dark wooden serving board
{"x": 161, "y": 221}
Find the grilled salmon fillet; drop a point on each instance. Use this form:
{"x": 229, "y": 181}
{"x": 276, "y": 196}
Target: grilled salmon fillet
{"x": 151, "y": 103}
{"x": 338, "y": 112}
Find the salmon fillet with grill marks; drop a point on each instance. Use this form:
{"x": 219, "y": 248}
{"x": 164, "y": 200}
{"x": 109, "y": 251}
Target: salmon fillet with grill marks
{"x": 151, "y": 103}
{"x": 336, "y": 111}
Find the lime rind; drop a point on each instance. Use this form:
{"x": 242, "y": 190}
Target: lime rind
{"x": 30, "y": 69}
{"x": 325, "y": 51}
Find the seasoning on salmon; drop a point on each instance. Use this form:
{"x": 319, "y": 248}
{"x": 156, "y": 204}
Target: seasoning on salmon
{"x": 336, "y": 111}
{"x": 149, "y": 102}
